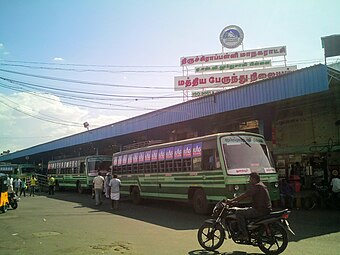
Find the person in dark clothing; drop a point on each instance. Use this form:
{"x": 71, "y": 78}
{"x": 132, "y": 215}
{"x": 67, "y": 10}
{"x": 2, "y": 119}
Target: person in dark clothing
{"x": 261, "y": 204}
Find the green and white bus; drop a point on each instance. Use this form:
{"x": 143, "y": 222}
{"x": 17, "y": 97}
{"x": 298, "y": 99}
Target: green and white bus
{"x": 78, "y": 172}
{"x": 200, "y": 170}
{"x": 18, "y": 170}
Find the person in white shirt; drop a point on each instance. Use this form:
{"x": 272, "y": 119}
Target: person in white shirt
{"x": 335, "y": 183}
{"x": 98, "y": 185}
{"x": 115, "y": 191}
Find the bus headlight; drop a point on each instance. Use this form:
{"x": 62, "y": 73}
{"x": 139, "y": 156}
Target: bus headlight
{"x": 276, "y": 184}
{"x": 236, "y": 187}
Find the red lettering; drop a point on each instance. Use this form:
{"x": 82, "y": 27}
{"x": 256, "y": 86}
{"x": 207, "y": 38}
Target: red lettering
{"x": 226, "y": 80}
{"x": 195, "y": 82}
{"x": 262, "y": 76}
{"x": 211, "y": 80}
{"x": 243, "y": 79}
{"x": 234, "y": 79}
{"x": 187, "y": 83}
{"x": 184, "y": 61}
{"x": 253, "y": 77}
{"x": 181, "y": 83}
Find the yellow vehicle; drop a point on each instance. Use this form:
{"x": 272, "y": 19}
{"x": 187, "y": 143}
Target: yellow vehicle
{"x": 3, "y": 193}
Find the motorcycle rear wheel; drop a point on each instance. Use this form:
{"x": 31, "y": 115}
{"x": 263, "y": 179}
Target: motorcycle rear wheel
{"x": 276, "y": 243}
{"x": 209, "y": 237}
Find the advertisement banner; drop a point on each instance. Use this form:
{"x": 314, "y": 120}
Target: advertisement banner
{"x": 230, "y": 79}
{"x": 141, "y": 157}
{"x": 154, "y": 155}
{"x": 178, "y": 152}
{"x": 161, "y": 154}
{"x": 233, "y": 56}
{"x": 169, "y": 153}
{"x": 147, "y": 156}
{"x": 187, "y": 149}
{"x": 197, "y": 150}
{"x": 130, "y": 157}
{"x": 124, "y": 159}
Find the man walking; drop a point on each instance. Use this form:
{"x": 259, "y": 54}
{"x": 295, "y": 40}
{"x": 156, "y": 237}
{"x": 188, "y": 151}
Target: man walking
{"x": 115, "y": 191}
{"x": 51, "y": 183}
{"x": 98, "y": 185}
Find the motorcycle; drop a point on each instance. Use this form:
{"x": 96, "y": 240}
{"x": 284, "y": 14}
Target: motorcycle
{"x": 13, "y": 200}
{"x": 269, "y": 233}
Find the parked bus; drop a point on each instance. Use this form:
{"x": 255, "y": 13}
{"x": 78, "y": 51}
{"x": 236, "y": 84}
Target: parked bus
{"x": 200, "y": 170}
{"x": 78, "y": 172}
{"x": 18, "y": 170}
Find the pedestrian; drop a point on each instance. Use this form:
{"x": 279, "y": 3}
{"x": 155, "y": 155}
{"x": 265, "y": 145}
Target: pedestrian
{"x": 33, "y": 184}
{"x": 51, "y": 184}
{"x": 286, "y": 194}
{"x": 23, "y": 187}
{"x": 10, "y": 184}
{"x": 115, "y": 191}
{"x": 108, "y": 178}
{"x": 17, "y": 183}
{"x": 98, "y": 183}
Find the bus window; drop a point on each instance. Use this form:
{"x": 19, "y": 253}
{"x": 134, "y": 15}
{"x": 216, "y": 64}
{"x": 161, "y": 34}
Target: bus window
{"x": 178, "y": 165}
{"x": 141, "y": 168}
{"x": 169, "y": 166}
{"x": 147, "y": 167}
{"x": 154, "y": 167}
{"x": 197, "y": 164}
{"x": 82, "y": 168}
{"x": 161, "y": 166}
{"x": 187, "y": 165}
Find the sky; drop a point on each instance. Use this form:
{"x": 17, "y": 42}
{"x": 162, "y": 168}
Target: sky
{"x": 66, "y": 62}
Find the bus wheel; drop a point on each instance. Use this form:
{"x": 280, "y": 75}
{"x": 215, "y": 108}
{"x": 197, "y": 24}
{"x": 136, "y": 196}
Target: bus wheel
{"x": 79, "y": 188}
{"x": 135, "y": 196}
{"x": 200, "y": 202}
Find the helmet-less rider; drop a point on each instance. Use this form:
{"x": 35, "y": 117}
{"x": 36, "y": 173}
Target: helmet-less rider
{"x": 261, "y": 204}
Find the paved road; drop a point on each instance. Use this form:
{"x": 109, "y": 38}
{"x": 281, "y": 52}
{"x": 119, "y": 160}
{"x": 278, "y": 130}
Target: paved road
{"x": 68, "y": 223}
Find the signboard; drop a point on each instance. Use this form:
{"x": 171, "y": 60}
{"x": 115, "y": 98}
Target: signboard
{"x": 228, "y": 67}
{"x": 178, "y": 152}
{"x": 161, "y": 154}
{"x": 187, "y": 149}
{"x": 233, "y": 56}
{"x": 331, "y": 45}
{"x": 197, "y": 150}
{"x": 231, "y": 37}
{"x": 154, "y": 155}
{"x": 147, "y": 156}
{"x": 221, "y": 80}
{"x": 169, "y": 153}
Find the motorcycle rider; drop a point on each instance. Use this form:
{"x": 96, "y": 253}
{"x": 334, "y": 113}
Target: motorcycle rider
{"x": 261, "y": 204}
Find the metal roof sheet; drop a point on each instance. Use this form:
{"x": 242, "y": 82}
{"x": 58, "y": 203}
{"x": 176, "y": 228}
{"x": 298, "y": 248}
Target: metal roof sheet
{"x": 299, "y": 83}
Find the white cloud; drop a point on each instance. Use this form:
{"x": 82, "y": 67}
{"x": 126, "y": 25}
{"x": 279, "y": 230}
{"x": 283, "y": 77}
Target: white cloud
{"x": 58, "y": 59}
{"x": 19, "y": 131}
{"x": 1, "y": 45}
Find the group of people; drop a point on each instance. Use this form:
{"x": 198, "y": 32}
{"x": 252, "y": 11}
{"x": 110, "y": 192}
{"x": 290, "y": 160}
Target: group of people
{"x": 20, "y": 185}
{"x": 111, "y": 185}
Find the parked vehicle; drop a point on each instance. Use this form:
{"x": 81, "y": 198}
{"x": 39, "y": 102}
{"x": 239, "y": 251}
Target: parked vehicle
{"x": 269, "y": 233}
{"x": 3, "y": 193}
{"x": 323, "y": 197}
{"x": 13, "y": 200}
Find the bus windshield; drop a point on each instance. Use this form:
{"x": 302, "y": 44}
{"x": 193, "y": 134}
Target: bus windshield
{"x": 96, "y": 165}
{"x": 244, "y": 154}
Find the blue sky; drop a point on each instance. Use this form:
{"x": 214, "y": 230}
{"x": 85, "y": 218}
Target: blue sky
{"x": 138, "y": 44}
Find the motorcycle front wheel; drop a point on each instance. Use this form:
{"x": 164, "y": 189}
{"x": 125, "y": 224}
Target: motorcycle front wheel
{"x": 210, "y": 237}
{"x": 14, "y": 205}
{"x": 275, "y": 242}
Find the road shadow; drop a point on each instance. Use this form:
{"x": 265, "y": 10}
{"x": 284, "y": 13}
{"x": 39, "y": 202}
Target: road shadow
{"x": 180, "y": 216}
{"x": 170, "y": 214}
{"x": 204, "y": 252}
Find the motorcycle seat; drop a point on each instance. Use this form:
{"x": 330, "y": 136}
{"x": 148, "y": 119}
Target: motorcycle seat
{"x": 270, "y": 215}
